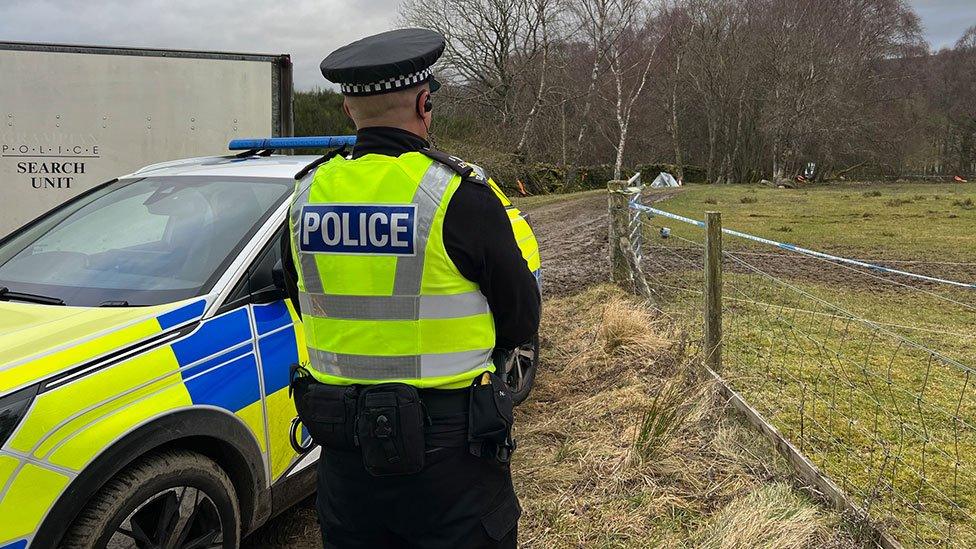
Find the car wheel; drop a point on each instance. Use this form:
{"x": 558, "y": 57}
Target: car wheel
{"x": 171, "y": 499}
{"x": 521, "y": 376}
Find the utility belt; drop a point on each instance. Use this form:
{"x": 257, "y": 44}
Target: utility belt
{"x": 393, "y": 424}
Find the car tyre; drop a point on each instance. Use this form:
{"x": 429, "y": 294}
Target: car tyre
{"x": 173, "y": 498}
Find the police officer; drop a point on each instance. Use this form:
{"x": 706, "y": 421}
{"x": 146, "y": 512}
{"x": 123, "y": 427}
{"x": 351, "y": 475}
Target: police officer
{"x": 409, "y": 279}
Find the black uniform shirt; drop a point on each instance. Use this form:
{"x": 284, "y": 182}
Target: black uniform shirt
{"x": 479, "y": 240}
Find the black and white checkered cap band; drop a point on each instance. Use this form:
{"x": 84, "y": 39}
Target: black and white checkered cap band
{"x": 388, "y": 85}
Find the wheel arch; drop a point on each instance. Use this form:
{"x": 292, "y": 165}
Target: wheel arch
{"x": 215, "y": 433}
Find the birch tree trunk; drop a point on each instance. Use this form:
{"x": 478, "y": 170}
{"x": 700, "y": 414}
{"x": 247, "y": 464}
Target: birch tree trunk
{"x": 675, "y": 139}
{"x": 712, "y": 138}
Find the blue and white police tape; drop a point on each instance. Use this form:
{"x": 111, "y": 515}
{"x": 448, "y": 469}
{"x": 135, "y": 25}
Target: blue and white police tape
{"x": 793, "y": 248}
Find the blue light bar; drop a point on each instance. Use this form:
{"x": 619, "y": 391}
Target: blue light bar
{"x": 316, "y": 142}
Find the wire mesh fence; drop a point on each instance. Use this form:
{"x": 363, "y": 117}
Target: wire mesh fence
{"x": 868, "y": 373}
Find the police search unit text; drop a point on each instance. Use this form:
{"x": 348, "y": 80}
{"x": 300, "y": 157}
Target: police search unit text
{"x": 59, "y": 172}
{"x": 58, "y": 175}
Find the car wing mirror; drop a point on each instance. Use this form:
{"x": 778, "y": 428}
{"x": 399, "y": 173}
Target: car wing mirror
{"x": 278, "y": 276}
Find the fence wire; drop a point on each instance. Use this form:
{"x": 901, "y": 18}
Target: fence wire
{"x": 869, "y": 374}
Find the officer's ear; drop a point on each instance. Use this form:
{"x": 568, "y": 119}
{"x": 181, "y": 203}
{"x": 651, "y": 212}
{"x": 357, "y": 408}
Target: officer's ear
{"x": 345, "y": 109}
{"x": 424, "y": 103}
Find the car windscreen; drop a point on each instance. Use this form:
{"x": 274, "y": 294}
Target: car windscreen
{"x": 139, "y": 242}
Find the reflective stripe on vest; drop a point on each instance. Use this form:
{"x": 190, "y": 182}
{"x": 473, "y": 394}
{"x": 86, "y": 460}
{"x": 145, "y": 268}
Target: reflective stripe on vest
{"x": 309, "y": 270}
{"x": 407, "y": 302}
{"x": 395, "y": 307}
{"x": 376, "y": 367}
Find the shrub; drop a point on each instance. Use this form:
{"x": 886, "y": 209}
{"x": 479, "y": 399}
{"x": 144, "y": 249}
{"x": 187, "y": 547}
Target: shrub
{"x": 552, "y": 178}
{"x": 695, "y": 174}
{"x": 784, "y": 229}
{"x": 748, "y": 200}
{"x": 871, "y": 194}
{"x": 964, "y": 204}
{"x": 596, "y": 177}
{"x": 711, "y": 200}
{"x": 548, "y": 178}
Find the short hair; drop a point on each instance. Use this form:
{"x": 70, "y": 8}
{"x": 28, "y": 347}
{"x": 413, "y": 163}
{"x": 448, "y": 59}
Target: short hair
{"x": 383, "y": 106}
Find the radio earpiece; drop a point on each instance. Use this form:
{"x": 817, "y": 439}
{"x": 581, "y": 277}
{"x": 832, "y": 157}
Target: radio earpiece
{"x": 428, "y": 104}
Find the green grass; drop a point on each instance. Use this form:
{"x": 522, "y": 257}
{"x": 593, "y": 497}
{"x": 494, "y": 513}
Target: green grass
{"x": 933, "y": 221}
{"x": 880, "y": 403}
{"x": 873, "y": 413}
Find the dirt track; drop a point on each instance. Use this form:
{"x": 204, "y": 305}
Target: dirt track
{"x": 572, "y": 235}
{"x": 572, "y": 238}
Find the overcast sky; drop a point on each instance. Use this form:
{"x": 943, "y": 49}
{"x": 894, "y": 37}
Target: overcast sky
{"x": 306, "y": 29}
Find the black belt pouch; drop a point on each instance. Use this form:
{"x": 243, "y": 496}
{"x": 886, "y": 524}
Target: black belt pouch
{"x": 327, "y": 411}
{"x": 490, "y": 418}
{"x": 390, "y": 425}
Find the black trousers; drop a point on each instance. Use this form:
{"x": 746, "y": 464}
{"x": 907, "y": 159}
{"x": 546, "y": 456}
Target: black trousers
{"x": 457, "y": 501}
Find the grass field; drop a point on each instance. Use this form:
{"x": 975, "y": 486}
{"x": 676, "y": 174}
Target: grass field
{"x": 869, "y": 374}
{"x": 915, "y": 221}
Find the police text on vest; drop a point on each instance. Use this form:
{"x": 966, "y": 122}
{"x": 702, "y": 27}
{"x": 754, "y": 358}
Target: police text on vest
{"x": 377, "y": 229}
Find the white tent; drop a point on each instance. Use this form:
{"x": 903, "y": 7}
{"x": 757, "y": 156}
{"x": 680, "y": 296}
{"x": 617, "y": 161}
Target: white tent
{"x": 664, "y": 179}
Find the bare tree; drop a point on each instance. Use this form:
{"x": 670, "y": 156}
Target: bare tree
{"x": 544, "y": 13}
{"x": 737, "y": 89}
{"x": 960, "y": 92}
{"x": 629, "y": 62}
{"x": 677, "y": 34}
{"x": 602, "y": 23}
{"x": 491, "y": 46}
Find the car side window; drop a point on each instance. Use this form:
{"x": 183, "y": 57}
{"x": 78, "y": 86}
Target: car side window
{"x": 258, "y": 285}
{"x": 261, "y": 277}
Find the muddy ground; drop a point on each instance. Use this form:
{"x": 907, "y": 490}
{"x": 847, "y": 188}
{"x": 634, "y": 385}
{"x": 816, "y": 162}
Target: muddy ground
{"x": 572, "y": 235}
{"x": 572, "y": 238}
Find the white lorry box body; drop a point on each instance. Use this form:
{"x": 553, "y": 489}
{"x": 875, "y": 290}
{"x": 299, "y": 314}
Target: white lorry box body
{"x": 72, "y": 117}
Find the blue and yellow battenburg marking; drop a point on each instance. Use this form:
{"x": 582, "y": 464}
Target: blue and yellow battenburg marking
{"x": 215, "y": 365}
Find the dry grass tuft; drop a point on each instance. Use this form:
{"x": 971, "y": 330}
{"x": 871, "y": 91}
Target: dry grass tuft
{"x": 621, "y": 445}
{"x": 772, "y": 516}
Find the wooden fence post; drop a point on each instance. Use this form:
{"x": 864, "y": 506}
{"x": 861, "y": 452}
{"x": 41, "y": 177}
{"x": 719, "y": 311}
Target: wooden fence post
{"x": 713, "y": 290}
{"x": 619, "y": 222}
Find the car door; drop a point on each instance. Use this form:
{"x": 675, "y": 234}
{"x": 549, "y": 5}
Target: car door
{"x": 279, "y": 341}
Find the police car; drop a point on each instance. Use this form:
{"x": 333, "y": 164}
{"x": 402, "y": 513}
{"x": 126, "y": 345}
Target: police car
{"x": 145, "y": 346}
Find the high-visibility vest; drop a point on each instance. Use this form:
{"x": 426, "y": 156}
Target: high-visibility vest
{"x": 524, "y": 236}
{"x": 380, "y": 298}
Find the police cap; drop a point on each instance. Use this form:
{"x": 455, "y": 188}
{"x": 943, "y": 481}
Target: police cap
{"x": 385, "y": 62}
